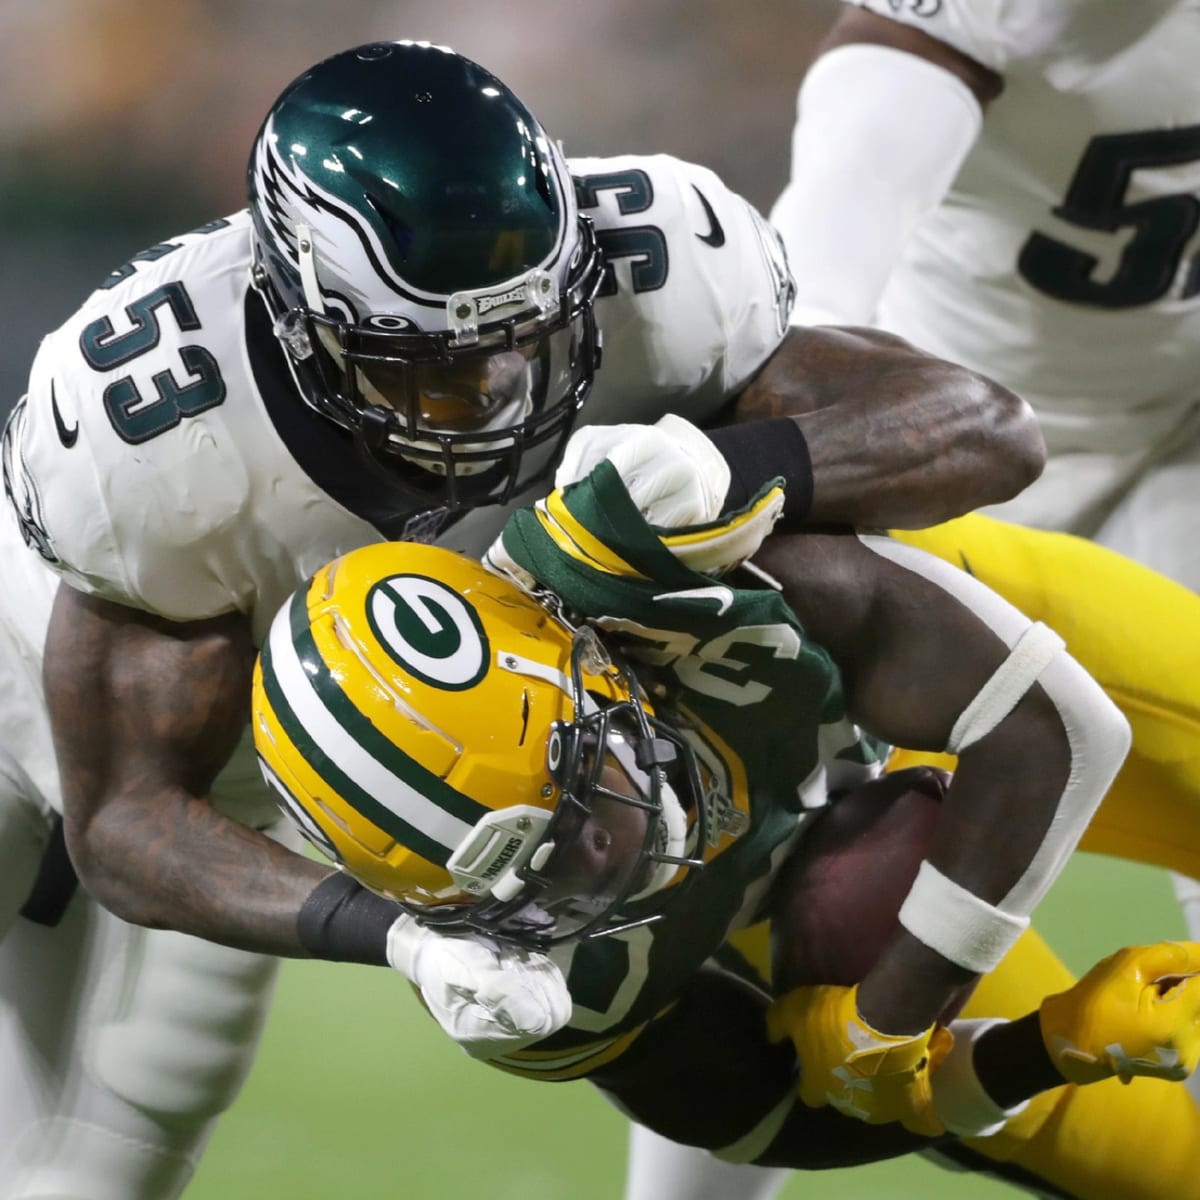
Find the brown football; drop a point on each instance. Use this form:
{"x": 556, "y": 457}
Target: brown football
{"x": 835, "y": 903}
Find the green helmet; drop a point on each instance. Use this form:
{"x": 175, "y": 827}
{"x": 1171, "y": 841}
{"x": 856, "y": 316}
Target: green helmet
{"x": 418, "y": 244}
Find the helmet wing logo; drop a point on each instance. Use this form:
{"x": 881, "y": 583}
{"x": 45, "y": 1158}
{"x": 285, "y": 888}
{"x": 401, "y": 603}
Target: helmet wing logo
{"x": 347, "y": 247}
{"x": 430, "y": 631}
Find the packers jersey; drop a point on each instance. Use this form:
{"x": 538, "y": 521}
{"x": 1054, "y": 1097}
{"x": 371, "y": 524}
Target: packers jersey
{"x": 1069, "y": 235}
{"x": 163, "y": 459}
{"x": 722, "y": 657}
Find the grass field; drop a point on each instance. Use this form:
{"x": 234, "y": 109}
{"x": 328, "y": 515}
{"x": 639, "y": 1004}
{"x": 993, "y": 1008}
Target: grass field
{"x": 355, "y": 1093}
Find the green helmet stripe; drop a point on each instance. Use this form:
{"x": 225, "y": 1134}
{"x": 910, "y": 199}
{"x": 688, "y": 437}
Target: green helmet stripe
{"x": 337, "y": 779}
{"x": 365, "y": 733}
{"x": 342, "y": 746}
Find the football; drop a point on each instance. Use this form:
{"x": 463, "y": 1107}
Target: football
{"x": 835, "y": 904}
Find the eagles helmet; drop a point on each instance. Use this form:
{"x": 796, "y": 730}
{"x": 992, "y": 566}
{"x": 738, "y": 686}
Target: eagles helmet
{"x": 455, "y": 745}
{"x": 417, "y": 242}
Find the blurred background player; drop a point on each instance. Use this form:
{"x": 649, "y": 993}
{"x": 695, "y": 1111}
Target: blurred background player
{"x": 402, "y": 328}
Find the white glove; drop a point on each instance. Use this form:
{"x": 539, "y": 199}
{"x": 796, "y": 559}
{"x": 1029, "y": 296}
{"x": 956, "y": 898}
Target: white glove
{"x": 672, "y": 471}
{"x": 490, "y": 998}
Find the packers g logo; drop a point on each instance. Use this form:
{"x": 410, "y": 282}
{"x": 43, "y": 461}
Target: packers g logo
{"x": 429, "y": 630}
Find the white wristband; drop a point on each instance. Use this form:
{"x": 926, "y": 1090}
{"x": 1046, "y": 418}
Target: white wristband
{"x": 958, "y": 924}
{"x": 958, "y": 1097}
{"x": 1034, "y": 650}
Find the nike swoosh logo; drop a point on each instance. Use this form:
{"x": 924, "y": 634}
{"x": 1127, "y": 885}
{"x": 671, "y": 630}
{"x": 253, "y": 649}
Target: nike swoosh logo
{"x": 716, "y": 235}
{"x": 721, "y": 596}
{"x": 68, "y": 437}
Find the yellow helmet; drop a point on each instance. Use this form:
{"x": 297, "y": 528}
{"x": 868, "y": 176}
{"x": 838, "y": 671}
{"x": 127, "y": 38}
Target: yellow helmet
{"x": 455, "y": 745}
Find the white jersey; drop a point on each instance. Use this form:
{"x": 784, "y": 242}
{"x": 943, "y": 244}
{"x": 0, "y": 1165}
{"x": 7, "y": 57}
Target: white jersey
{"x": 159, "y": 459}
{"x": 1066, "y": 259}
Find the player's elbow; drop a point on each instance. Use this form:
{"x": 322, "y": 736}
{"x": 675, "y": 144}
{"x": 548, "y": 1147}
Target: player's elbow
{"x": 108, "y": 870}
{"x": 1015, "y": 448}
{"x": 1100, "y": 737}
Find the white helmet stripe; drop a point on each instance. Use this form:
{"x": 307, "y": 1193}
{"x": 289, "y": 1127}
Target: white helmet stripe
{"x": 375, "y": 778}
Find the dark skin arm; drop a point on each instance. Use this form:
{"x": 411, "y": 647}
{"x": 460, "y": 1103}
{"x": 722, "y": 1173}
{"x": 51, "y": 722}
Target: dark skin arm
{"x": 912, "y": 658}
{"x": 898, "y": 438}
{"x": 145, "y": 713}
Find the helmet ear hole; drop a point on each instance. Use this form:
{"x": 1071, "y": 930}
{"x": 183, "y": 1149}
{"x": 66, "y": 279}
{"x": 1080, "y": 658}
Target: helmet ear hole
{"x": 554, "y": 752}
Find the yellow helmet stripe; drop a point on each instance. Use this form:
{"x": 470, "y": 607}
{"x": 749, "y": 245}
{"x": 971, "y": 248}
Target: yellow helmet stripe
{"x": 573, "y": 538}
{"x": 342, "y": 746}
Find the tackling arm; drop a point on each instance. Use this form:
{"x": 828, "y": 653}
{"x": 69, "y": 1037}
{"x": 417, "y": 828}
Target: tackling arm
{"x": 145, "y": 714}
{"x": 896, "y": 437}
{"x": 881, "y": 435}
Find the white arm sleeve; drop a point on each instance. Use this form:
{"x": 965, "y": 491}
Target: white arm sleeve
{"x": 1098, "y": 735}
{"x": 880, "y": 135}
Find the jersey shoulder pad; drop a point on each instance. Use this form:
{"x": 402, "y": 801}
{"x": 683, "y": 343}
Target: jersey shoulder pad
{"x": 698, "y": 291}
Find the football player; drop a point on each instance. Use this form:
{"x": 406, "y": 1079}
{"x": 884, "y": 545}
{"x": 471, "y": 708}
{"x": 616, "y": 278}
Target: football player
{"x": 401, "y": 330}
{"x": 627, "y": 831}
{"x": 1015, "y": 187}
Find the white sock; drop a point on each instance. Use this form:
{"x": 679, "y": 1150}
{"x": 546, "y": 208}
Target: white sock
{"x": 663, "y": 1170}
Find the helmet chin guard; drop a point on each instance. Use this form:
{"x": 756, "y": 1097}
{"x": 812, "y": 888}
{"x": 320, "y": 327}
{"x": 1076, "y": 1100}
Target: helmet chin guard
{"x": 529, "y": 901}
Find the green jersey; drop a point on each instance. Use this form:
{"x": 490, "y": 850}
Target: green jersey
{"x": 767, "y": 721}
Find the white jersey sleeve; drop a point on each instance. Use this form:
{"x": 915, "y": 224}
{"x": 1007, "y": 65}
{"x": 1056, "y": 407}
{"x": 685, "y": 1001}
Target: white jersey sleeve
{"x": 121, "y": 510}
{"x": 1000, "y": 33}
{"x": 697, "y": 294}
{"x": 142, "y": 465}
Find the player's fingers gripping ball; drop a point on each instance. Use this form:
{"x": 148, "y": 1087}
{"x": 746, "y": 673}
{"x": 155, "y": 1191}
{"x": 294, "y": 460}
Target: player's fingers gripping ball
{"x": 1135, "y": 1013}
{"x": 875, "y": 1077}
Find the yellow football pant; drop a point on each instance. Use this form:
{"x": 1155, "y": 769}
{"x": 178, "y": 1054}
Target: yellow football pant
{"x": 1138, "y": 634}
{"x": 1107, "y": 1141}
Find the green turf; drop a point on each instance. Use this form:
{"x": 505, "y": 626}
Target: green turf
{"x": 355, "y": 1094}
